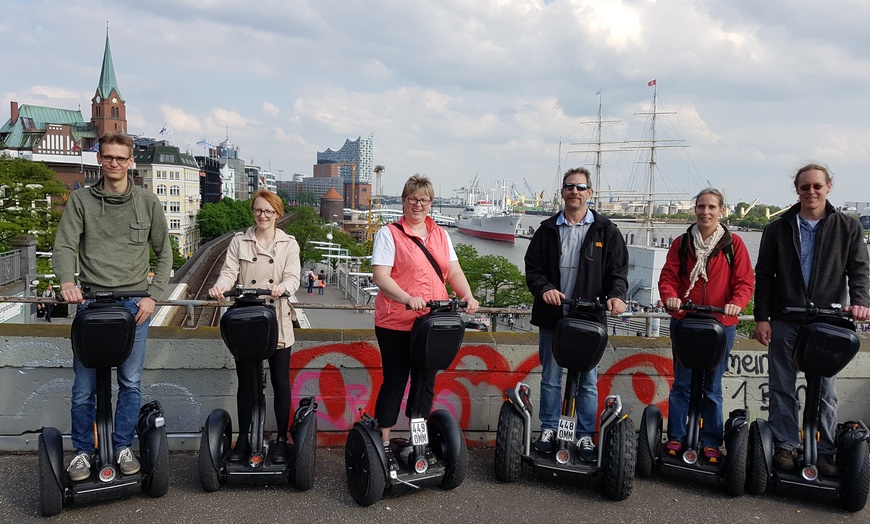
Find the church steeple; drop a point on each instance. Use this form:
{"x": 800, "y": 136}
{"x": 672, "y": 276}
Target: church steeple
{"x": 108, "y": 109}
{"x": 108, "y": 83}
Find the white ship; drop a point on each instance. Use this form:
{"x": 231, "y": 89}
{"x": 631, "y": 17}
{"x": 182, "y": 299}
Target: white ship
{"x": 485, "y": 216}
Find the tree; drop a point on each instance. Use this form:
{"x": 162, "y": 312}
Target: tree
{"x": 494, "y": 279}
{"x": 224, "y": 216}
{"x": 306, "y": 226}
{"x": 26, "y": 189}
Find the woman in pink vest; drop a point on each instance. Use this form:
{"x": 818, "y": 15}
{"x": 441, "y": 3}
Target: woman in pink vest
{"x": 406, "y": 277}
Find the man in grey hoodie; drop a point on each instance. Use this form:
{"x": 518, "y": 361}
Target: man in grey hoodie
{"x": 108, "y": 228}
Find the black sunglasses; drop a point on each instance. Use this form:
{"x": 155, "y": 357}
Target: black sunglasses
{"x": 578, "y": 187}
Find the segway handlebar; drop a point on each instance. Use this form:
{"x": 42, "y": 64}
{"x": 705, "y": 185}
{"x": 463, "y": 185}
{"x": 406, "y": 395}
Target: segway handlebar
{"x": 700, "y": 308}
{"x": 585, "y": 304}
{"x": 250, "y": 292}
{"x": 835, "y": 310}
{"x": 109, "y": 294}
{"x": 450, "y": 305}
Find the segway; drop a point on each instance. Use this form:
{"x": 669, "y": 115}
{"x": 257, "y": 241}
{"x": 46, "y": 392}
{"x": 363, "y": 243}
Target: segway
{"x": 250, "y": 331}
{"x": 699, "y": 345}
{"x": 578, "y": 345}
{"x": 825, "y": 345}
{"x": 435, "y": 455}
{"x": 102, "y": 338}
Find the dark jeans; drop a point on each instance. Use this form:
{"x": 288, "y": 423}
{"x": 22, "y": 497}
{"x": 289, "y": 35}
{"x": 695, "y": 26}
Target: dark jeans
{"x": 396, "y": 362}
{"x": 246, "y": 396}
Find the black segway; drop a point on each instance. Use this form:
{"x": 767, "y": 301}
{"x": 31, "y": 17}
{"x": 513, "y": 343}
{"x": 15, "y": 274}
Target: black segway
{"x": 826, "y": 343}
{"x": 102, "y": 338}
{"x": 250, "y": 331}
{"x": 578, "y": 345}
{"x": 699, "y": 345}
{"x": 435, "y": 455}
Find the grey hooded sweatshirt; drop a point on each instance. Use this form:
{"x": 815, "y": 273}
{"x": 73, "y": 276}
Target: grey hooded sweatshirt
{"x": 110, "y": 233}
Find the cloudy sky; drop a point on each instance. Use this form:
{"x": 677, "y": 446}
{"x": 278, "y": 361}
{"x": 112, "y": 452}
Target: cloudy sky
{"x": 461, "y": 88}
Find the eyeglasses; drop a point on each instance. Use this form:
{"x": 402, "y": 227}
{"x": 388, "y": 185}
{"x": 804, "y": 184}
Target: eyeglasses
{"x": 106, "y": 159}
{"x": 578, "y": 187}
{"x": 421, "y": 201}
{"x": 806, "y": 187}
{"x": 268, "y": 213}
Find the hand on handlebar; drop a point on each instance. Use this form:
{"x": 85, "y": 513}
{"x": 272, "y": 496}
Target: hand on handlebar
{"x": 471, "y": 305}
{"x": 71, "y": 293}
{"x": 554, "y": 297}
{"x": 673, "y": 304}
{"x": 859, "y": 313}
{"x": 217, "y": 292}
{"x": 616, "y": 306}
{"x": 416, "y": 303}
{"x": 731, "y": 310}
{"x": 277, "y": 290}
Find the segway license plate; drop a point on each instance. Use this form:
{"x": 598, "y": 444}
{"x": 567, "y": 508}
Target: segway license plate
{"x": 419, "y": 433}
{"x": 566, "y": 429}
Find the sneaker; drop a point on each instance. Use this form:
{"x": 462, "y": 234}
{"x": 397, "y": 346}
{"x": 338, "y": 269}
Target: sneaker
{"x": 391, "y": 459}
{"x": 546, "y": 441}
{"x": 241, "y": 451}
{"x": 80, "y": 467}
{"x": 127, "y": 462}
{"x": 586, "y": 449}
{"x": 673, "y": 447}
{"x": 826, "y": 466}
{"x": 712, "y": 455}
{"x": 783, "y": 459}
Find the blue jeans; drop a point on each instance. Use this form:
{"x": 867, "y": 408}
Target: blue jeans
{"x": 784, "y": 404}
{"x": 711, "y": 410}
{"x": 551, "y": 390}
{"x": 84, "y": 396}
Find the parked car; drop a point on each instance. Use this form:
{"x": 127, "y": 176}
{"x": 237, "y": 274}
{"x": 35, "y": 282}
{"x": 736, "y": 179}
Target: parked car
{"x": 476, "y": 326}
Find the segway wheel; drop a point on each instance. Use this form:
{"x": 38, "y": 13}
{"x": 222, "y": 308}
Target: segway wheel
{"x": 366, "y": 479}
{"x": 645, "y": 455}
{"x": 620, "y": 461}
{"x": 209, "y": 475}
{"x": 757, "y": 482}
{"x": 735, "y": 465}
{"x": 303, "y": 470}
{"x": 853, "y": 497}
{"x": 448, "y": 444}
{"x": 50, "y": 492}
{"x": 156, "y": 482}
{"x": 509, "y": 444}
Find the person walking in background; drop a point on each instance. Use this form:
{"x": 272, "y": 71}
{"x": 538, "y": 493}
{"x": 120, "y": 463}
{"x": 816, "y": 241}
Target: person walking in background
{"x": 264, "y": 256}
{"x": 576, "y": 253}
{"x": 709, "y": 266}
{"x": 407, "y": 280}
{"x": 311, "y": 277}
{"x": 321, "y": 282}
{"x": 812, "y": 255}
{"x": 49, "y": 306}
{"x": 107, "y": 232}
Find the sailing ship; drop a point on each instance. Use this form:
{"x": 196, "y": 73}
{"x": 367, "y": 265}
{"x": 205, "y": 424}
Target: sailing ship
{"x": 486, "y": 216}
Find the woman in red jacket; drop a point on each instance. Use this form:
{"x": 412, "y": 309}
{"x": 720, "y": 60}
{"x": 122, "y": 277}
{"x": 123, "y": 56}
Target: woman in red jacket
{"x": 716, "y": 271}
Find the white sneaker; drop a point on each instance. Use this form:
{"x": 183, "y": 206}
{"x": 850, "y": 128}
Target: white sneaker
{"x": 127, "y": 462}
{"x": 80, "y": 467}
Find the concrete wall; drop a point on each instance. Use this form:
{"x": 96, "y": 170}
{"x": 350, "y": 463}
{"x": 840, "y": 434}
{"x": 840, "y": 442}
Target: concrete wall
{"x": 191, "y": 373}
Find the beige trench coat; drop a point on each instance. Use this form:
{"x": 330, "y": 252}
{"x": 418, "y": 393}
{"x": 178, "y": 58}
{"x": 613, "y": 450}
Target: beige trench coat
{"x": 252, "y": 266}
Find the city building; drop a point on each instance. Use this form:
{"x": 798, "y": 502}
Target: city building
{"x": 175, "y": 178}
{"x": 210, "y": 176}
{"x": 355, "y": 165}
{"x": 61, "y": 138}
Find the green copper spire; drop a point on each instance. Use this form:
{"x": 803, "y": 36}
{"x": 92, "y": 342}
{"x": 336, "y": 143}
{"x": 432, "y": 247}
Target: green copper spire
{"x": 107, "y": 75}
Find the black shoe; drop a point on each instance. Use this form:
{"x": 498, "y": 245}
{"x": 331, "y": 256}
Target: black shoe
{"x": 280, "y": 454}
{"x": 586, "y": 450}
{"x": 241, "y": 451}
{"x": 391, "y": 459}
{"x": 546, "y": 441}
{"x": 783, "y": 459}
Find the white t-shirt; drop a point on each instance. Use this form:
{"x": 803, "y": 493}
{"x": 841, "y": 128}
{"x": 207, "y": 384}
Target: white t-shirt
{"x": 384, "y": 249}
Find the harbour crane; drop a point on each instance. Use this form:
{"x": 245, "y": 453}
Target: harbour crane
{"x": 744, "y": 211}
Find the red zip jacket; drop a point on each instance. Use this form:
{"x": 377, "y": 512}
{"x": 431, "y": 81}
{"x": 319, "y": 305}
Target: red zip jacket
{"x": 725, "y": 285}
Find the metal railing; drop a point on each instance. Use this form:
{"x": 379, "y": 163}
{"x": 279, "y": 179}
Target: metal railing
{"x": 10, "y": 266}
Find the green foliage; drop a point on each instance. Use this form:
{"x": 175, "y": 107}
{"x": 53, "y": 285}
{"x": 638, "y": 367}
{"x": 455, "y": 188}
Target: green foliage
{"x": 178, "y": 259}
{"x": 226, "y": 215}
{"x": 24, "y": 187}
{"x": 747, "y": 327}
{"x": 495, "y": 280}
{"x": 755, "y": 218}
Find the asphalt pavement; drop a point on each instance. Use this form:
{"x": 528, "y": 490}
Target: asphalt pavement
{"x": 480, "y": 499}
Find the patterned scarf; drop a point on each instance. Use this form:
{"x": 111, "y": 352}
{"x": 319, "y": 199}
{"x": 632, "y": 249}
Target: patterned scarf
{"x": 702, "y": 252}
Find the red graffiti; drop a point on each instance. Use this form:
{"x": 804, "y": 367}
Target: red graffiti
{"x": 646, "y": 388}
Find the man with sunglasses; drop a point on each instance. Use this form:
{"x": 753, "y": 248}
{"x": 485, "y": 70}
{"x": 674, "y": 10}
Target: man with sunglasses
{"x": 806, "y": 257}
{"x": 576, "y": 253}
{"x": 108, "y": 228}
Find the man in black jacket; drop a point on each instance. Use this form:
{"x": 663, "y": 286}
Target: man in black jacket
{"x": 574, "y": 254}
{"x": 806, "y": 257}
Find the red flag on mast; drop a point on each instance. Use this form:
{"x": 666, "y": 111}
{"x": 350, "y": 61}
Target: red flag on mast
{"x": 651, "y": 83}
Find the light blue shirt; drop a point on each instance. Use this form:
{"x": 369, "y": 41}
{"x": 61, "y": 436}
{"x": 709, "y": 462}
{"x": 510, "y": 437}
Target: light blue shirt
{"x": 807, "y": 230}
{"x": 572, "y": 237}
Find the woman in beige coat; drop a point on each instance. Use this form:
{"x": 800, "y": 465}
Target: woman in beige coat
{"x": 264, "y": 257}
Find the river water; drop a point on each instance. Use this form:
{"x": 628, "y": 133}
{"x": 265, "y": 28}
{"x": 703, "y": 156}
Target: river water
{"x": 631, "y": 230}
